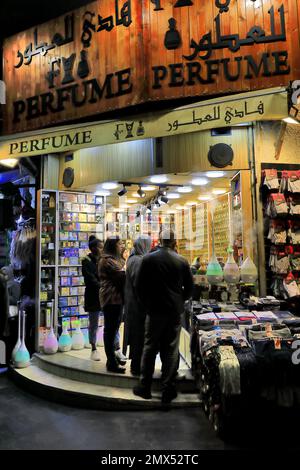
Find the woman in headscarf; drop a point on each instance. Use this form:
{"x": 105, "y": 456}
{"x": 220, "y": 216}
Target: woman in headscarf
{"x": 134, "y": 311}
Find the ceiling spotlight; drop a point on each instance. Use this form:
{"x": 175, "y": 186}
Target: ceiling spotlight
{"x": 204, "y": 197}
{"x": 164, "y": 199}
{"x": 215, "y": 174}
{"x": 140, "y": 192}
{"x": 185, "y": 189}
{"x": 162, "y": 192}
{"x": 123, "y": 191}
{"x": 158, "y": 179}
{"x": 199, "y": 181}
{"x": 109, "y": 185}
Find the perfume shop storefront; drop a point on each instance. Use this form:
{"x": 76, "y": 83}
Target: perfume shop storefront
{"x": 222, "y": 173}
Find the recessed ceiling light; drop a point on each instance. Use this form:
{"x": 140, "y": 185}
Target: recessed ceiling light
{"x": 179, "y": 208}
{"x": 201, "y": 181}
{"x": 219, "y": 191}
{"x": 158, "y": 179}
{"x": 131, "y": 201}
{"x": 9, "y": 162}
{"x": 103, "y": 192}
{"x": 124, "y": 206}
{"x": 173, "y": 196}
{"x": 215, "y": 174}
{"x": 148, "y": 188}
{"x": 171, "y": 211}
{"x": 290, "y": 120}
{"x": 109, "y": 185}
{"x": 191, "y": 203}
{"x": 135, "y": 195}
{"x": 185, "y": 189}
{"x": 204, "y": 197}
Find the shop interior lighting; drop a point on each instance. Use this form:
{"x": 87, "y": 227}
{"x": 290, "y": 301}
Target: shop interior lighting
{"x": 158, "y": 179}
{"x": 103, "y": 193}
{"x": 9, "y": 162}
{"x": 148, "y": 188}
{"x": 218, "y": 191}
{"x": 204, "y": 198}
{"x": 191, "y": 203}
{"x": 185, "y": 189}
{"x": 288, "y": 120}
{"x": 141, "y": 193}
{"x": 123, "y": 191}
{"x": 173, "y": 195}
{"x": 109, "y": 185}
{"x": 200, "y": 181}
{"x": 131, "y": 201}
{"x": 215, "y": 174}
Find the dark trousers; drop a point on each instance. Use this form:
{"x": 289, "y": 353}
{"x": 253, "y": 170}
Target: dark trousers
{"x": 162, "y": 334}
{"x": 112, "y": 321}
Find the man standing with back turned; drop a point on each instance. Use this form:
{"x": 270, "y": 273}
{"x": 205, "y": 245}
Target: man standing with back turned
{"x": 164, "y": 283}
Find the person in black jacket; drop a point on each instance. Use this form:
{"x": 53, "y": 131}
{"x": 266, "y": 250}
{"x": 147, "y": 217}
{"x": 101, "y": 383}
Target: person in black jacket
{"x": 164, "y": 283}
{"x": 91, "y": 295}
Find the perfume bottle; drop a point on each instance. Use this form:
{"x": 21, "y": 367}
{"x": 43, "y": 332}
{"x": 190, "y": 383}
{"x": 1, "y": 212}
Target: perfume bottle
{"x": 214, "y": 272}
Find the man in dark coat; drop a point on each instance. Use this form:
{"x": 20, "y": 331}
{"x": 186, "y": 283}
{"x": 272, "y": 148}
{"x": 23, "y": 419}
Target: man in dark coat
{"x": 91, "y": 295}
{"x": 164, "y": 283}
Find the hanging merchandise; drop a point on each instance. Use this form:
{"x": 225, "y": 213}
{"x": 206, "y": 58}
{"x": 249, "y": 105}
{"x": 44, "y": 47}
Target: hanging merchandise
{"x": 249, "y": 272}
{"x": 270, "y": 179}
{"x": 50, "y": 343}
{"x": 290, "y": 181}
{"x": 290, "y": 286}
{"x": 294, "y": 203}
{"x": 22, "y": 357}
{"x": 77, "y": 337}
{"x": 277, "y": 232}
{"x": 277, "y": 205}
{"x": 18, "y": 343}
{"x": 22, "y": 251}
{"x": 294, "y": 232}
{"x": 65, "y": 340}
{"x": 231, "y": 269}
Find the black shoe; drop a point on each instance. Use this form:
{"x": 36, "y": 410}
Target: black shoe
{"x": 121, "y": 362}
{"x": 116, "y": 370}
{"x": 168, "y": 396}
{"x": 142, "y": 392}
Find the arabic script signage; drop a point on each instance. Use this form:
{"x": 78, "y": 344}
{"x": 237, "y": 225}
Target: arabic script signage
{"x": 219, "y": 112}
{"x": 112, "y": 54}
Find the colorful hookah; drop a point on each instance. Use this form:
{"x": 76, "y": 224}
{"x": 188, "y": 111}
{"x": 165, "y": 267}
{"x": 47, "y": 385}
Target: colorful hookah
{"x": 22, "y": 357}
{"x": 50, "y": 343}
{"x": 77, "y": 337}
{"x": 231, "y": 269}
{"x": 18, "y": 343}
{"x": 65, "y": 340}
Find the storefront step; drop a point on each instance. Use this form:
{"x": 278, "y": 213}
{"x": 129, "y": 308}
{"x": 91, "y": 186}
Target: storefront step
{"x": 87, "y": 395}
{"x": 76, "y": 365}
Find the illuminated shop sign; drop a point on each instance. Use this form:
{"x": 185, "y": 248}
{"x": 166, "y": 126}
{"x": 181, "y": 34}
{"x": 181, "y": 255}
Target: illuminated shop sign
{"x": 112, "y": 54}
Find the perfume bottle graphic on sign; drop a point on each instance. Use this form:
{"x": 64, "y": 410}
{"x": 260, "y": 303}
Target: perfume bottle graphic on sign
{"x": 172, "y": 38}
{"x": 83, "y": 66}
{"x": 129, "y": 128}
{"x": 140, "y": 130}
{"x": 68, "y": 64}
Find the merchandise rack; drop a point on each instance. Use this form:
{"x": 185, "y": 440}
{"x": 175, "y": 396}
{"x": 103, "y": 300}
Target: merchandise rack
{"x": 63, "y": 201}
